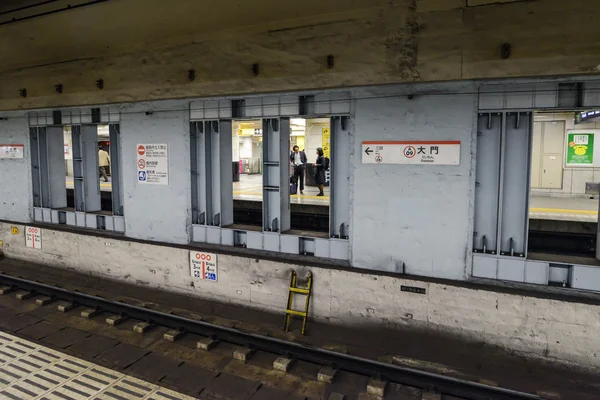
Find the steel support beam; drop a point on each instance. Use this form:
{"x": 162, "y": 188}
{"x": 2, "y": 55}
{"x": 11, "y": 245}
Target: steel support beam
{"x": 55, "y": 153}
{"x": 276, "y": 175}
{"x": 339, "y": 207}
{"x": 115, "y": 169}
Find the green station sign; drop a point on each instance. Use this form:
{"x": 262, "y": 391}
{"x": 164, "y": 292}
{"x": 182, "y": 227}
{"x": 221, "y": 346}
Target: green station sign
{"x": 580, "y": 149}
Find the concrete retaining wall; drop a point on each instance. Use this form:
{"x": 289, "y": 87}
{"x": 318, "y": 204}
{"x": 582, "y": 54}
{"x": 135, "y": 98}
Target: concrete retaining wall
{"x": 541, "y": 328}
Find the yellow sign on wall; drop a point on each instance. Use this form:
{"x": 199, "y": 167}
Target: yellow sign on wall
{"x": 326, "y": 142}
{"x": 14, "y": 230}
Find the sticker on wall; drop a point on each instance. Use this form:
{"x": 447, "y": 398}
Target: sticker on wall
{"x": 203, "y": 266}
{"x": 11, "y": 151}
{"x": 580, "y": 149}
{"x": 14, "y": 230}
{"x": 414, "y": 152}
{"x": 153, "y": 164}
{"x": 33, "y": 237}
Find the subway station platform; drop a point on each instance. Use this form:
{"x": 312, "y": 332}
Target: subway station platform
{"x": 145, "y": 366}
{"x": 563, "y": 209}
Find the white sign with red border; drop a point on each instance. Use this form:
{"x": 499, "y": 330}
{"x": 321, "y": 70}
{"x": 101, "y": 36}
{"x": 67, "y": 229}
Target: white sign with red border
{"x": 203, "y": 266}
{"x": 12, "y": 151}
{"x": 33, "y": 237}
{"x": 413, "y": 152}
{"x": 153, "y": 164}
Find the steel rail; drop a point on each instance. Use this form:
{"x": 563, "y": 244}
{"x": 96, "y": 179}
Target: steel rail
{"x": 393, "y": 373}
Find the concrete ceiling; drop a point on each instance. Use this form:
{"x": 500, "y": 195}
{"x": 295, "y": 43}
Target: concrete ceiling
{"x": 51, "y": 33}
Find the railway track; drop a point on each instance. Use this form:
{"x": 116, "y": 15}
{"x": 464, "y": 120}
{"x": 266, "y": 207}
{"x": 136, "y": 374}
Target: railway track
{"x": 441, "y": 385}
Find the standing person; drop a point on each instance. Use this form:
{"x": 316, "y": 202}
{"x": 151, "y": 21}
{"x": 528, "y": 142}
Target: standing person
{"x": 103, "y": 162}
{"x": 298, "y": 160}
{"x": 320, "y": 167}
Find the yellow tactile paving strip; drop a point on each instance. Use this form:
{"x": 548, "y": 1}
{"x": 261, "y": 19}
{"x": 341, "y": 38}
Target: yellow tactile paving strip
{"x": 29, "y": 371}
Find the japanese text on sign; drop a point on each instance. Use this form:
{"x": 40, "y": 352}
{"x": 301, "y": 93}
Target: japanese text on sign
{"x": 11, "y": 151}
{"x": 203, "y": 266}
{"x": 153, "y": 164}
{"x": 415, "y": 152}
{"x": 33, "y": 237}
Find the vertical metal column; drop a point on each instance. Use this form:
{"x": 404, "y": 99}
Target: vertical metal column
{"x": 226, "y": 172}
{"x": 115, "y": 169}
{"x": 514, "y": 185}
{"x": 487, "y": 179}
{"x": 276, "y": 175}
{"x": 55, "y": 153}
{"x": 196, "y": 136}
{"x": 78, "y": 174}
{"x": 339, "y": 211}
{"x": 36, "y": 168}
{"x": 89, "y": 139}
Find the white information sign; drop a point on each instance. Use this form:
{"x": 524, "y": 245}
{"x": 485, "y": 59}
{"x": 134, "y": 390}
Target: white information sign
{"x": 413, "y": 152}
{"x": 153, "y": 164}
{"x": 203, "y": 266}
{"x": 33, "y": 237}
{"x": 11, "y": 151}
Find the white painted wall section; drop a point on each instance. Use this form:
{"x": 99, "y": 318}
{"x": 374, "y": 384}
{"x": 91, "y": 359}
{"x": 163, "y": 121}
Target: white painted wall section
{"x": 425, "y": 209}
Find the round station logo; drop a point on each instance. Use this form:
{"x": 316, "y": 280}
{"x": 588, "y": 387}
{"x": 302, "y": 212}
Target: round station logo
{"x": 409, "y": 152}
{"x": 141, "y": 150}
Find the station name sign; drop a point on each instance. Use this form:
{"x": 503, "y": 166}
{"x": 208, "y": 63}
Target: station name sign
{"x": 411, "y": 152}
{"x": 586, "y": 116}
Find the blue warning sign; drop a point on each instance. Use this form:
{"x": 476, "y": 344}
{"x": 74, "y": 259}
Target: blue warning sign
{"x": 142, "y": 176}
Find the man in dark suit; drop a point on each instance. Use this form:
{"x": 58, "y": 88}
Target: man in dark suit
{"x": 298, "y": 160}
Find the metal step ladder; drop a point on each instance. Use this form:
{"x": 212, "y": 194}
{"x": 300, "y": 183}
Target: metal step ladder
{"x": 298, "y": 290}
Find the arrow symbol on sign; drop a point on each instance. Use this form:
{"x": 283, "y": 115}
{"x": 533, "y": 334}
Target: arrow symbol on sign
{"x": 368, "y": 151}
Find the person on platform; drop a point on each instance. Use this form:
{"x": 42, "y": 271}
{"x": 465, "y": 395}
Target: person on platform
{"x": 298, "y": 160}
{"x": 103, "y": 162}
{"x": 320, "y": 167}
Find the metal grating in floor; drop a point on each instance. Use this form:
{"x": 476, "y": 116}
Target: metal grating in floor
{"x": 29, "y": 371}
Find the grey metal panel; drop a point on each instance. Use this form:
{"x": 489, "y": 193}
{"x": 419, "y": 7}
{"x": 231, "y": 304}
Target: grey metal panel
{"x": 290, "y": 244}
{"x": 485, "y": 266}
{"x": 86, "y": 115}
{"x": 66, "y": 117}
{"x": 91, "y": 221}
{"x": 213, "y": 234}
{"x": 322, "y": 248}
{"x": 119, "y": 223}
{"x": 340, "y": 103}
{"x": 537, "y": 272}
{"x": 339, "y": 249}
{"x": 519, "y": 96}
{"x": 91, "y": 179}
{"x": 591, "y": 94}
{"x": 276, "y": 177}
{"x": 226, "y": 177}
{"x": 340, "y": 178}
{"x": 38, "y": 215}
{"x": 254, "y": 240}
{"x": 227, "y": 237}
{"x": 307, "y": 246}
{"x": 197, "y": 110}
{"x": 109, "y": 223}
{"x": 491, "y": 97}
{"x": 199, "y": 233}
{"x": 559, "y": 273}
{"x": 584, "y": 277}
{"x": 104, "y": 116}
{"x": 211, "y": 109}
{"x": 546, "y": 95}
{"x": 81, "y": 218}
{"x": 208, "y": 173}
{"x": 194, "y": 166}
{"x": 115, "y": 168}
{"x": 225, "y": 109}
{"x": 289, "y": 106}
{"x": 54, "y": 216}
{"x": 511, "y": 269}
{"x": 253, "y": 107}
{"x": 46, "y": 215}
{"x": 71, "y": 219}
{"x": 114, "y": 115}
{"x": 271, "y": 241}
{"x": 78, "y": 168}
{"x": 33, "y": 119}
{"x": 76, "y": 116}
{"x": 36, "y": 178}
{"x": 55, "y": 151}
{"x": 270, "y": 106}
{"x": 515, "y": 184}
{"x": 489, "y": 129}
{"x": 323, "y": 104}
